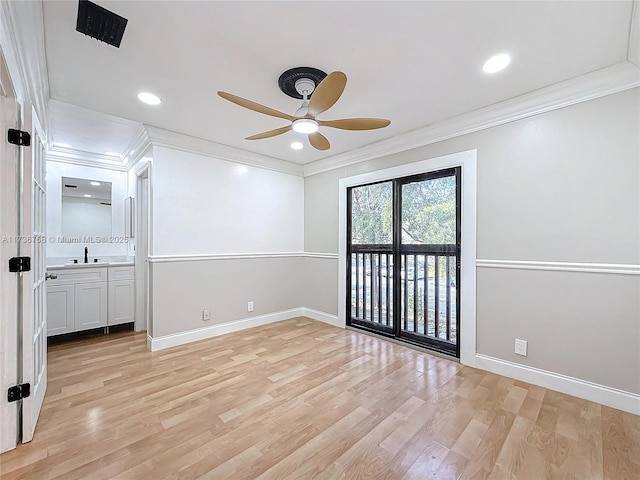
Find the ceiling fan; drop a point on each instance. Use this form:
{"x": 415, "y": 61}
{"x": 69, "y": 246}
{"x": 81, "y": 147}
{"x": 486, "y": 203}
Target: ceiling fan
{"x": 319, "y": 92}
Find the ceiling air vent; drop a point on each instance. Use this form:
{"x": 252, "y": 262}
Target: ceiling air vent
{"x": 100, "y": 23}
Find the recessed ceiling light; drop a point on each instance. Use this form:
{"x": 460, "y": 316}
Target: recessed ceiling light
{"x": 297, "y": 145}
{"x": 496, "y": 63}
{"x": 112, "y": 154}
{"x": 305, "y": 125}
{"x": 149, "y": 98}
{"x": 86, "y": 195}
{"x": 61, "y": 145}
{"x": 95, "y": 184}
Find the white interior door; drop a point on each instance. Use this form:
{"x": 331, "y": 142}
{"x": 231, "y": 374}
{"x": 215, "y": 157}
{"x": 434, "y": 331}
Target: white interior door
{"x": 33, "y": 287}
{"x": 9, "y": 247}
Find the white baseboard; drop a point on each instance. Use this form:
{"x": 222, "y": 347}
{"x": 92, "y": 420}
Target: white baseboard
{"x": 612, "y": 397}
{"x": 322, "y": 317}
{"x": 173, "y": 340}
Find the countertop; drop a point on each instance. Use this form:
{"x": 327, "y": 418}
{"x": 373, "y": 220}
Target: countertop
{"x": 90, "y": 265}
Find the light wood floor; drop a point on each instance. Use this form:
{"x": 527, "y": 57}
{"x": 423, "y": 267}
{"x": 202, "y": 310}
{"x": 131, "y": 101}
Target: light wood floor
{"x": 300, "y": 399}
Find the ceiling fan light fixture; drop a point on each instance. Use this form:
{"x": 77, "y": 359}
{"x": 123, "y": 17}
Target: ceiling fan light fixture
{"x": 305, "y": 125}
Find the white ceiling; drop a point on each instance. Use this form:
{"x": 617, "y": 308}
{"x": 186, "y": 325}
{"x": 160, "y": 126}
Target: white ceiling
{"x": 83, "y": 187}
{"x": 79, "y": 133}
{"x": 415, "y": 63}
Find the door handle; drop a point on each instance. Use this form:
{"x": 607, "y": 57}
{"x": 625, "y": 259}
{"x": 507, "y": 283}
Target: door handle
{"x": 50, "y": 276}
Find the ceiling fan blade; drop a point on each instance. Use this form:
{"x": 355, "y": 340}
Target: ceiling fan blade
{"x": 319, "y": 141}
{"x": 256, "y": 107}
{"x": 270, "y": 133}
{"x": 355, "y": 123}
{"x": 327, "y": 93}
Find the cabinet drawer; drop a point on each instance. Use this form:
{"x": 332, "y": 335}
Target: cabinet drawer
{"x": 78, "y": 275}
{"x": 121, "y": 273}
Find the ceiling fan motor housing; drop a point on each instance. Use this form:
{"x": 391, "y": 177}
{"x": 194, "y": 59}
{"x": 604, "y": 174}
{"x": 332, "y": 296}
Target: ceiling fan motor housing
{"x": 288, "y": 81}
{"x": 305, "y": 86}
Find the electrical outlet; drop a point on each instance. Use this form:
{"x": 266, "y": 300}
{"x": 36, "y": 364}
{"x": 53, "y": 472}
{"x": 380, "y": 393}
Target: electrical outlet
{"x": 521, "y": 347}
{"x": 249, "y": 306}
{"x": 206, "y": 315}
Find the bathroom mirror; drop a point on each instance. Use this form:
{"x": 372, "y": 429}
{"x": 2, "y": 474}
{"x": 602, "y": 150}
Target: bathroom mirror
{"x": 86, "y": 207}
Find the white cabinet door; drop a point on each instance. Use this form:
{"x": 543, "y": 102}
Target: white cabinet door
{"x": 91, "y": 305}
{"x": 60, "y": 309}
{"x": 121, "y": 295}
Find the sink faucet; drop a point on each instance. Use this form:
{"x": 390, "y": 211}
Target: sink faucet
{"x": 86, "y": 254}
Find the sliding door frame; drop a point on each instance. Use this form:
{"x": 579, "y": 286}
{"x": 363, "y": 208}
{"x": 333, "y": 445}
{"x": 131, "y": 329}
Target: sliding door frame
{"x": 467, "y": 160}
{"x": 399, "y": 253}
{"x": 400, "y": 249}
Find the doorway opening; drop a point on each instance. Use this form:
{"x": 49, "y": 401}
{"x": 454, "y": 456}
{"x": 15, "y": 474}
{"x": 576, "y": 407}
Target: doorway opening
{"x": 142, "y": 242}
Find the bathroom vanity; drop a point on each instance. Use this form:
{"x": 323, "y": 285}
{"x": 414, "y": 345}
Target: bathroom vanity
{"x": 85, "y": 296}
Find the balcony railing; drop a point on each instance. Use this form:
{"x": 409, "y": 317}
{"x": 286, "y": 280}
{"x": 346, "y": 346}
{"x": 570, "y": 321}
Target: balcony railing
{"x": 428, "y": 292}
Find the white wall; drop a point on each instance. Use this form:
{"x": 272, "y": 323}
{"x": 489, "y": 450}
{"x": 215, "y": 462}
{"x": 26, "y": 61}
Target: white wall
{"x": 558, "y": 243}
{"x": 245, "y": 223}
{"x": 85, "y": 216}
{"x": 204, "y": 206}
{"x": 57, "y": 249}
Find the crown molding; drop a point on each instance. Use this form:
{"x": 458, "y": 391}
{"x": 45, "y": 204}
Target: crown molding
{"x": 133, "y": 132}
{"x": 138, "y": 147}
{"x": 22, "y": 30}
{"x": 616, "y": 78}
{"x": 85, "y": 159}
{"x": 178, "y": 141}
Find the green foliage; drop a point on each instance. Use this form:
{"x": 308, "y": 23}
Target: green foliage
{"x": 372, "y": 211}
{"x": 428, "y": 212}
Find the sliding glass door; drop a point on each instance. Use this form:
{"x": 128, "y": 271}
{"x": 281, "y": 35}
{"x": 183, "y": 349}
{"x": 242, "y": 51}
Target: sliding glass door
{"x": 370, "y": 245}
{"x": 406, "y": 229}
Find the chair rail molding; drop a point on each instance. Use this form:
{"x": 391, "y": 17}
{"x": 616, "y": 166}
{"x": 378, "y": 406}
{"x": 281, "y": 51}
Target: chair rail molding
{"x": 611, "y": 268}
{"x": 238, "y": 256}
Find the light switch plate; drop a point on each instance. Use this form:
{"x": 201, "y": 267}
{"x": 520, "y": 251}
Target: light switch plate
{"x": 206, "y": 315}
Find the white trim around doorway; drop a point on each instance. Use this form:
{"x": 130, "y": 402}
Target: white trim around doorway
{"x": 468, "y": 162}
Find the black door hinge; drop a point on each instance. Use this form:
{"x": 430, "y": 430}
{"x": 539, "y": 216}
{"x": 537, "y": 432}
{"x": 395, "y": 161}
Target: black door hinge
{"x": 18, "y": 392}
{"x": 20, "y": 264}
{"x": 18, "y": 137}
